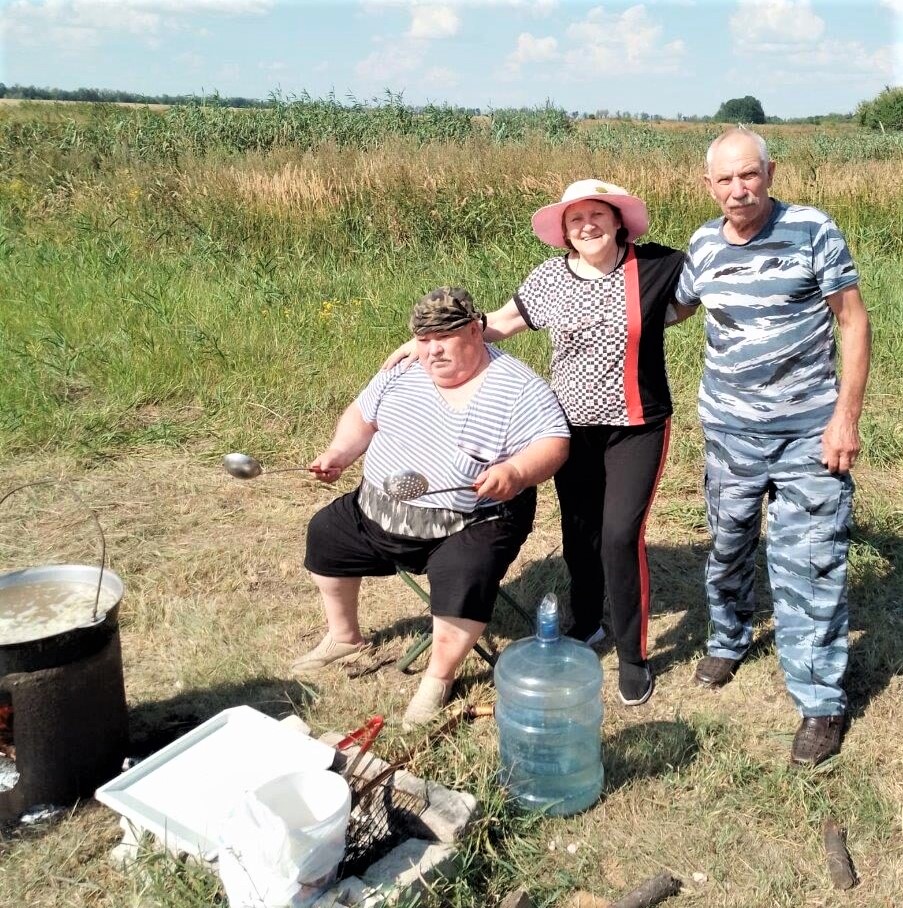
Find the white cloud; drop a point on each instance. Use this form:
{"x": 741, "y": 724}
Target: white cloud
{"x": 273, "y": 66}
{"x": 394, "y": 60}
{"x": 537, "y": 7}
{"x": 68, "y": 23}
{"x": 429, "y": 22}
{"x": 786, "y": 42}
{"x": 534, "y": 50}
{"x": 895, "y": 52}
{"x": 530, "y": 50}
{"x": 775, "y": 25}
{"x": 180, "y": 7}
{"x": 229, "y": 71}
{"x": 441, "y": 76}
{"x": 629, "y": 42}
{"x": 861, "y": 66}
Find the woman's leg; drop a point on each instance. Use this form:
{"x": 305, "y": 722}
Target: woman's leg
{"x": 634, "y": 460}
{"x": 580, "y": 485}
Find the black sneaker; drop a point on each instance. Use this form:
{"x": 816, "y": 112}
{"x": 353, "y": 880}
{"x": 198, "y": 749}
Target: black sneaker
{"x": 635, "y": 683}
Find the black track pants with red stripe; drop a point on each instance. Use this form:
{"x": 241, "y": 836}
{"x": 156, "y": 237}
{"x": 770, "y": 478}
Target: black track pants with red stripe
{"x": 606, "y": 489}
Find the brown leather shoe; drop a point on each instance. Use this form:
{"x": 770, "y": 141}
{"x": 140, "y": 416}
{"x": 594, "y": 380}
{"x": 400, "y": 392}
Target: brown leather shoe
{"x": 715, "y": 671}
{"x": 817, "y": 738}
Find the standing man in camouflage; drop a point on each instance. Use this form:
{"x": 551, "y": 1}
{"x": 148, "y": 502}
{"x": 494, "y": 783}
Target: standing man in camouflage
{"x": 773, "y": 278}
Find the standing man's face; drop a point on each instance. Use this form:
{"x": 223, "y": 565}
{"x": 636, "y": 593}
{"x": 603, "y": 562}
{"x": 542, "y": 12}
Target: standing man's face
{"x": 739, "y": 183}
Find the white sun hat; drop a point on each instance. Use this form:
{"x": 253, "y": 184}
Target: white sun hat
{"x": 547, "y": 221}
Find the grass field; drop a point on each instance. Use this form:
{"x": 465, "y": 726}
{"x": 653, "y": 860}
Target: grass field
{"x": 177, "y": 285}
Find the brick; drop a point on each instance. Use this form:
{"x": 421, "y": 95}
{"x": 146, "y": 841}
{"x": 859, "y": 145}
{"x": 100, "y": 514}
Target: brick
{"x": 520, "y": 898}
{"x": 411, "y": 867}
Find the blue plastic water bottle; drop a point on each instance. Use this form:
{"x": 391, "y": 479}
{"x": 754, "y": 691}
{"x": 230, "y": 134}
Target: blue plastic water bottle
{"x": 549, "y": 714}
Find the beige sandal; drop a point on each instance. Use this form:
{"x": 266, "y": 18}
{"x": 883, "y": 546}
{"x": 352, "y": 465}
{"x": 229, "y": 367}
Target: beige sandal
{"x": 427, "y": 703}
{"x": 327, "y": 652}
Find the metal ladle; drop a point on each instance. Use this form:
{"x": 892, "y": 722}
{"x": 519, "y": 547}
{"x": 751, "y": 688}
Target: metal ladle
{"x": 409, "y": 484}
{"x": 243, "y": 466}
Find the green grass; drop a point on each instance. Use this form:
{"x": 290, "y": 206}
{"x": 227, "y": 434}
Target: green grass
{"x": 182, "y": 284}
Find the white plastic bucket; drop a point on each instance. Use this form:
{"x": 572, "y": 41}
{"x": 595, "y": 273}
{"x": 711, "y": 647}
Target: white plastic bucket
{"x": 283, "y": 843}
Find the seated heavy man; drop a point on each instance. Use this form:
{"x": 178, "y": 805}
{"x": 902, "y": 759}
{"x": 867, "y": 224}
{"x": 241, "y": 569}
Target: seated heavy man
{"x": 465, "y": 414}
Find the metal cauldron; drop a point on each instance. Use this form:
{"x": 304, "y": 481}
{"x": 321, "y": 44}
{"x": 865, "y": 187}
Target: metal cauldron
{"x": 79, "y": 641}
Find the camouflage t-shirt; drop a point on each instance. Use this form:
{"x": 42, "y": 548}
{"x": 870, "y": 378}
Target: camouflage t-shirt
{"x": 770, "y": 356}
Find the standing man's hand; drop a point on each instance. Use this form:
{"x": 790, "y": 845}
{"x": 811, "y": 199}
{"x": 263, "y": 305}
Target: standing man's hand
{"x": 840, "y": 444}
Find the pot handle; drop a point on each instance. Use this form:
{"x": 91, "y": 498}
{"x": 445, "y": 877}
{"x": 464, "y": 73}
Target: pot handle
{"x": 81, "y": 501}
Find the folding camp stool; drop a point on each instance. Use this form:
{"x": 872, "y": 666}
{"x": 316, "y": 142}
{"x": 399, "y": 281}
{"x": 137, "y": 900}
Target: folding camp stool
{"x": 425, "y": 640}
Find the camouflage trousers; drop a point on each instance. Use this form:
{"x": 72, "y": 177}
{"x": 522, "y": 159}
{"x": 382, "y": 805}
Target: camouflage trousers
{"x": 808, "y": 528}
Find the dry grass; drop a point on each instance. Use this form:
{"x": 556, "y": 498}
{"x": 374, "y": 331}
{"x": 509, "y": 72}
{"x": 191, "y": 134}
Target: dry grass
{"x": 331, "y": 176}
{"x": 217, "y": 603}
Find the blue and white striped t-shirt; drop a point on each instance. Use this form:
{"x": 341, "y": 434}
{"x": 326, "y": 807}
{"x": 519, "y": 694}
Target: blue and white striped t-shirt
{"x": 770, "y": 356}
{"x": 419, "y": 431}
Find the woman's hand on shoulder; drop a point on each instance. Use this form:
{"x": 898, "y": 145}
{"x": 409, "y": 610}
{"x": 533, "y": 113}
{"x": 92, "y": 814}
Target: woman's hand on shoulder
{"x": 406, "y": 354}
{"x": 675, "y": 313}
{"x": 504, "y": 322}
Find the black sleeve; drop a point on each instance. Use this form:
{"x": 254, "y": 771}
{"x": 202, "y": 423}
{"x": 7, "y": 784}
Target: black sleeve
{"x": 659, "y": 272}
{"x": 523, "y": 311}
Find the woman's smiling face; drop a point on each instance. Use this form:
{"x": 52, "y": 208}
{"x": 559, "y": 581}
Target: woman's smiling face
{"x": 590, "y": 225}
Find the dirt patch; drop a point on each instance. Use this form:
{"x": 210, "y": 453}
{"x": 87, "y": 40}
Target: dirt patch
{"x": 217, "y": 605}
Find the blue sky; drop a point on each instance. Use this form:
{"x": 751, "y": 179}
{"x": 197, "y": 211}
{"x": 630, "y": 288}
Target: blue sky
{"x": 799, "y": 57}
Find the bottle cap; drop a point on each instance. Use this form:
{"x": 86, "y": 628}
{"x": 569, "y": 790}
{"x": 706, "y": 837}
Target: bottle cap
{"x": 547, "y": 618}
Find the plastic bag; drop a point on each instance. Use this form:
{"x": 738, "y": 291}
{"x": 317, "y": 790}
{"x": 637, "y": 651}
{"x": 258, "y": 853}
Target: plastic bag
{"x": 282, "y": 843}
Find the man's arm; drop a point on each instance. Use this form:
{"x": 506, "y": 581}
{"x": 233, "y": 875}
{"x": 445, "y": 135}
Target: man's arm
{"x": 840, "y": 441}
{"x": 535, "y": 464}
{"x": 352, "y": 437}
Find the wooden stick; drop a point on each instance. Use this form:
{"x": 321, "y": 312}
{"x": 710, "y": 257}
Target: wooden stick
{"x": 479, "y": 711}
{"x": 840, "y": 867}
{"x": 654, "y": 890}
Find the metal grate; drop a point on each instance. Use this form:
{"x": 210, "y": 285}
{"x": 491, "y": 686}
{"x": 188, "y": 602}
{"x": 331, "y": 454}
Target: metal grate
{"x": 380, "y": 819}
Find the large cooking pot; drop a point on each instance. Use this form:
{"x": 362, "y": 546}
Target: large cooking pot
{"x": 77, "y": 632}
{"x": 90, "y": 629}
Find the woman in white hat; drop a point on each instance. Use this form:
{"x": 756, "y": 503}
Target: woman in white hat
{"x": 605, "y": 303}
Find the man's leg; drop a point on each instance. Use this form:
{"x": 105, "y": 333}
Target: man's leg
{"x": 808, "y": 541}
{"x": 340, "y": 604}
{"x": 580, "y": 484}
{"x": 339, "y": 553}
{"x": 465, "y": 571}
{"x": 453, "y": 639}
{"x": 736, "y": 479}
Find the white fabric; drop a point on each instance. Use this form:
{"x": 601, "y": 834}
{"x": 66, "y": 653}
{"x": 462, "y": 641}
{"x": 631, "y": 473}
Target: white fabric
{"x": 418, "y": 430}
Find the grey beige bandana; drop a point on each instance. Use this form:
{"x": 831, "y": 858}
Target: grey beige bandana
{"x": 444, "y": 309}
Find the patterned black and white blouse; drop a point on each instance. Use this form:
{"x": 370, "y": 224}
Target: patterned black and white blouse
{"x": 608, "y": 362}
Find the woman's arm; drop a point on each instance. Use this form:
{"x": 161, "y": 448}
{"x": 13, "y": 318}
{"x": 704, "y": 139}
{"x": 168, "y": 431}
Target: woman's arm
{"x": 504, "y": 323}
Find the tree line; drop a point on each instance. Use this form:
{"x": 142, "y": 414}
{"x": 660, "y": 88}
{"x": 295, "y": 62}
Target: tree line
{"x": 112, "y": 96}
{"x": 883, "y": 112}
